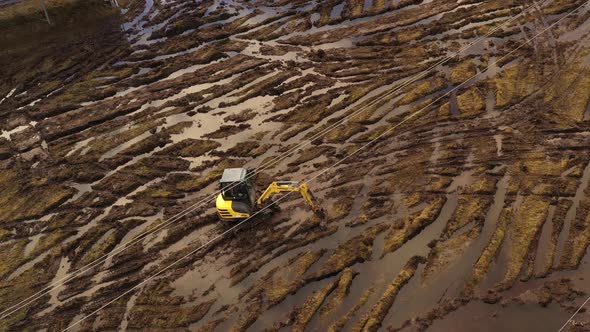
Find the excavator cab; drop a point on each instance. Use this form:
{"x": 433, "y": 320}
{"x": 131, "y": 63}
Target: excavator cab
{"x": 237, "y": 198}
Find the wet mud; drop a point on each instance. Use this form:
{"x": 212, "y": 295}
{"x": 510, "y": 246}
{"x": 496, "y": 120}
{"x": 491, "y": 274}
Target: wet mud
{"x": 478, "y": 209}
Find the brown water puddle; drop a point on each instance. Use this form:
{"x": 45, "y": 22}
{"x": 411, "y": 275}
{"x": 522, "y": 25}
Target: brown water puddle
{"x": 498, "y": 138}
{"x": 448, "y": 283}
{"x": 128, "y": 307}
{"x": 415, "y": 298}
{"x": 491, "y": 103}
{"x": 483, "y": 317}
{"x": 28, "y": 265}
{"x": 497, "y": 269}
{"x": 372, "y": 271}
{"x": 54, "y": 301}
{"x": 543, "y": 246}
{"x": 130, "y": 236}
{"x": 32, "y": 244}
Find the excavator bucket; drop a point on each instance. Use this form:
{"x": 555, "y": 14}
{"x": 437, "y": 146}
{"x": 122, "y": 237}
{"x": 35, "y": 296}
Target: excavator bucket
{"x": 312, "y": 201}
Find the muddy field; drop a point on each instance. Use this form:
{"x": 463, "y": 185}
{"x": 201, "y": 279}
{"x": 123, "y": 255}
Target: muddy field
{"x": 474, "y": 215}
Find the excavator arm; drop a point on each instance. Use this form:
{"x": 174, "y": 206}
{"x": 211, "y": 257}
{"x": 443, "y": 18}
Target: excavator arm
{"x": 290, "y": 186}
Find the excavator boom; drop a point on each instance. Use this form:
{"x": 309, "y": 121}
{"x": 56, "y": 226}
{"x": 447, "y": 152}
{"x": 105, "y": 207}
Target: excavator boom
{"x": 290, "y": 186}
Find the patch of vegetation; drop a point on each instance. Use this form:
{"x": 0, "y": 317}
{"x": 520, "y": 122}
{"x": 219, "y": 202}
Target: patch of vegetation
{"x": 482, "y": 265}
{"x": 102, "y": 247}
{"x": 483, "y": 185}
{"x": 26, "y": 284}
{"x": 310, "y": 153}
{"x": 577, "y": 242}
{"x": 311, "y": 305}
{"x": 246, "y": 319}
{"x": 423, "y": 89}
{"x": 445, "y": 253}
{"x": 470, "y": 208}
{"x": 242, "y": 149}
{"x": 408, "y": 35}
{"x": 148, "y": 144}
{"x": 225, "y": 131}
{"x": 280, "y": 282}
{"x": 157, "y": 309}
{"x": 243, "y": 116}
{"x": 440, "y": 183}
{"x": 514, "y": 83}
{"x": 312, "y": 110}
{"x": 98, "y": 146}
{"x": 11, "y": 255}
{"x": 179, "y": 128}
{"x": 339, "y": 324}
{"x": 342, "y": 133}
{"x": 379, "y": 310}
{"x": 541, "y": 164}
{"x": 471, "y": 102}
{"x": 28, "y": 11}
{"x": 25, "y": 201}
{"x": 49, "y": 241}
{"x": 463, "y": 71}
{"x": 444, "y": 111}
{"x": 525, "y": 227}
{"x": 340, "y": 293}
{"x": 193, "y": 182}
{"x": 412, "y": 225}
{"x": 356, "y": 249}
{"x": 190, "y": 148}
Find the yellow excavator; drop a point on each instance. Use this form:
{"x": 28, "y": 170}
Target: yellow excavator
{"x": 237, "y": 199}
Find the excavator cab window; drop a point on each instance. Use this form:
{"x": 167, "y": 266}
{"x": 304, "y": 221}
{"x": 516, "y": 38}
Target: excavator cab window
{"x": 235, "y": 186}
{"x": 235, "y": 191}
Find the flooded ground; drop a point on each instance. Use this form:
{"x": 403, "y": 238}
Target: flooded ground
{"x": 472, "y": 216}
